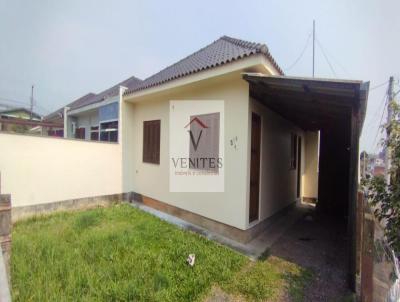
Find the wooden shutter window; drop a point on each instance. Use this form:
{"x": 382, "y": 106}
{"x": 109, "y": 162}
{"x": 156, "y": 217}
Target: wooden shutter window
{"x": 151, "y": 141}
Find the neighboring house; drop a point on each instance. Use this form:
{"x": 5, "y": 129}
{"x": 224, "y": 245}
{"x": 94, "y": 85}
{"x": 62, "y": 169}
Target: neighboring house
{"x": 379, "y": 170}
{"x": 92, "y": 117}
{"x": 374, "y": 164}
{"x": 57, "y": 117}
{"x": 15, "y": 120}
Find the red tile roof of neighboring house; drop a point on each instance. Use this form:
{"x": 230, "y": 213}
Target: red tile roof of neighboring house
{"x": 220, "y": 52}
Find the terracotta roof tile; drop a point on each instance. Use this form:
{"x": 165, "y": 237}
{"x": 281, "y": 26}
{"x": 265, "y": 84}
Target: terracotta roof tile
{"x": 221, "y": 51}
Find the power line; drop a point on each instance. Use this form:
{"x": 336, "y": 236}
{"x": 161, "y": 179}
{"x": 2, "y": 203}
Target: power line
{"x": 313, "y": 48}
{"x": 377, "y": 86}
{"x": 13, "y": 101}
{"x": 26, "y": 104}
{"x": 336, "y": 61}
{"x": 381, "y": 105}
{"x": 380, "y": 122}
{"x": 301, "y": 54}
{"x": 326, "y": 57}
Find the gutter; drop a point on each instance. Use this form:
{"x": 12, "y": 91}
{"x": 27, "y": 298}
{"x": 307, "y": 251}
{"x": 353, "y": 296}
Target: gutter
{"x": 94, "y": 105}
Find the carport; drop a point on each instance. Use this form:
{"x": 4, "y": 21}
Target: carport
{"x": 335, "y": 108}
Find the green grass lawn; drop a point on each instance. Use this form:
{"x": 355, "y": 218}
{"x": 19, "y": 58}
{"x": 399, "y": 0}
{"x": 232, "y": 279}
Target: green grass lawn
{"x": 123, "y": 254}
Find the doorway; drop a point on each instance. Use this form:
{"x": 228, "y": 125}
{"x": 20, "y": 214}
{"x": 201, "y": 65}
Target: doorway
{"x": 255, "y": 166}
{"x": 299, "y": 167}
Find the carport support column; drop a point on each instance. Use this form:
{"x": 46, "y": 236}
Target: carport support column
{"x": 353, "y": 194}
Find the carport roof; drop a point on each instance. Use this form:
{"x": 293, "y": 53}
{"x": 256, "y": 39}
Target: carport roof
{"x": 311, "y": 103}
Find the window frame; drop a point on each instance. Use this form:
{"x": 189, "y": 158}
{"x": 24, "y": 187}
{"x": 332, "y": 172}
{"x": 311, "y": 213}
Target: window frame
{"x": 94, "y": 131}
{"x": 105, "y": 130}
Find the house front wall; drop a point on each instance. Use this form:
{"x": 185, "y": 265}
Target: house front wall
{"x": 152, "y": 180}
{"x": 278, "y": 181}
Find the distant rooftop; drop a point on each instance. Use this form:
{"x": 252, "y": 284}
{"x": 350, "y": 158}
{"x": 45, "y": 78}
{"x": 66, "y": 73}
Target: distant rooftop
{"x": 10, "y": 111}
{"x": 59, "y": 113}
{"x": 112, "y": 91}
{"x": 92, "y": 98}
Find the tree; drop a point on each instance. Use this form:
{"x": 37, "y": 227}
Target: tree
{"x": 385, "y": 195}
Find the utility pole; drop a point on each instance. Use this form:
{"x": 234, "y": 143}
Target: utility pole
{"x": 389, "y": 119}
{"x": 31, "y": 102}
{"x": 313, "y": 50}
{"x": 364, "y": 172}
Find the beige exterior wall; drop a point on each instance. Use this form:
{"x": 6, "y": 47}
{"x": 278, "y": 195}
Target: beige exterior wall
{"x": 310, "y": 176}
{"x": 153, "y": 180}
{"x": 37, "y": 170}
{"x": 278, "y": 183}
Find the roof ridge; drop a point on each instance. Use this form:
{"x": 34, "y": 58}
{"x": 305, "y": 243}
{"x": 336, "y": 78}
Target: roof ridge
{"x": 87, "y": 95}
{"x": 114, "y": 87}
{"x": 188, "y": 56}
{"x": 262, "y": 47}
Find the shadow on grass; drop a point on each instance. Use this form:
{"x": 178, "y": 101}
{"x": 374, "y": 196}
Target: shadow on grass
{"x": 297, "y": 282}
{"x": 288, "y": 275}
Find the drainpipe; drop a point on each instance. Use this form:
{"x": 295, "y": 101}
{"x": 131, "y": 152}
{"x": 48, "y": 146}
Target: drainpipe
{"x": 121, "y": 111}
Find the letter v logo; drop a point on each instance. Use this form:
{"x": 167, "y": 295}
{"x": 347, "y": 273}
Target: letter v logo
{"x": 195, "y": 144}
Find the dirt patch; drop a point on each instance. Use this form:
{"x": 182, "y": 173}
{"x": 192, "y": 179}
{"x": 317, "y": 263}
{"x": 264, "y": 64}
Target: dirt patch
{"x": 218, "y": 295}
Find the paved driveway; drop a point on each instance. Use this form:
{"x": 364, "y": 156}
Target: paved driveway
{"x": 318, "y": 244}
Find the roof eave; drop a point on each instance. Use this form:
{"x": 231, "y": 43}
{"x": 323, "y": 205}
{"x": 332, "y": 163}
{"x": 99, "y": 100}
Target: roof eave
{"x": 246, "y": 63}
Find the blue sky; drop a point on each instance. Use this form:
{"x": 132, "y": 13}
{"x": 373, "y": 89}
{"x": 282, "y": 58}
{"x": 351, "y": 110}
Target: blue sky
{"x": 70, "y": 48}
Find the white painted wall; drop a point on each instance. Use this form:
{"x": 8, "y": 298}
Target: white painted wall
{"x": 153, "y": 180}
{"x": 38, "y": 170}
{"x": 278, "y": 182}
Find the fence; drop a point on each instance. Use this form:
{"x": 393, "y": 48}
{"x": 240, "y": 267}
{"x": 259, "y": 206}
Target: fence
{"x": 32, "y": 127}
{"x": 377, "y": 266}
{"x": 43, "y": 170}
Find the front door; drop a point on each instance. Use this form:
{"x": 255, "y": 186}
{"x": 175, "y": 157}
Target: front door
{"x": 255, "y": 166}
